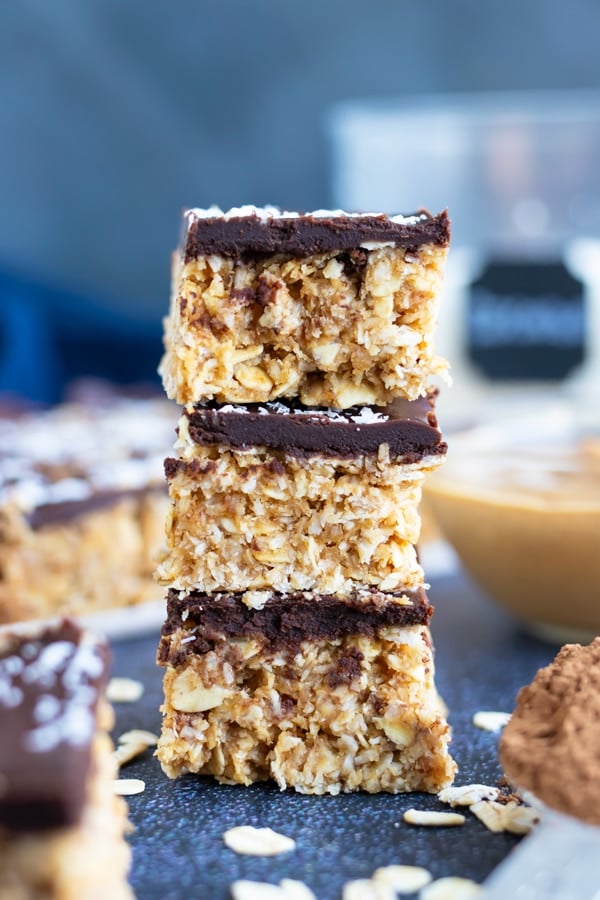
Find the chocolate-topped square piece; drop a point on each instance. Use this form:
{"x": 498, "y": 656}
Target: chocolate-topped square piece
{"x": 336, "y": 309}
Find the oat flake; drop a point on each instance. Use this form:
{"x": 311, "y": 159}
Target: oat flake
{"x": 251, "y": 841}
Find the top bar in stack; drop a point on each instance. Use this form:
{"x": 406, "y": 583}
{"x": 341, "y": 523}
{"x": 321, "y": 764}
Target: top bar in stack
{"x": 332, "y": 308}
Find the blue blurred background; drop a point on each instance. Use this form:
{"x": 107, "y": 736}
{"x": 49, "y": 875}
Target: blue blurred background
{"x": 116, "y": 115}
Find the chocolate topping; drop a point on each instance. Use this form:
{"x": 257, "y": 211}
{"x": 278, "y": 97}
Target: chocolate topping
{"x": 50, "y": 681}
{"x": 76, "y": 458}
{"x": 306, "y": 235}
{"x": 285, "y": 620}
{"x": 409, "y": 428}
{"x": 48, "y": 514}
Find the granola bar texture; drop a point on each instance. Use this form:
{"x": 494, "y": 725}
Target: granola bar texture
{"x": 296, "y": 645}
{"x": 326, "y": 701}
{"x": 61, "y": 827}
{"x": 332, "y": 308}
{"x": 82, "y": 508}
{"x": 100, "y": 560}
{"x": 274, "y": 517}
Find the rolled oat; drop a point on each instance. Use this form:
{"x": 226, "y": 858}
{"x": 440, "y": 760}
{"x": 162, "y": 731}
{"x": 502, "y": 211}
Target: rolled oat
{"x": 402, "y": 879}
{"x": 432, "y": 818}
{"x": 124, "y": 690}
{"x": 127, "y": 787}
{"x": 452, "y": 888}
{"x": 288, "y": 889}
{"x": 468, "y": 794}
{"x": 490, "y": 721}
{"x": 132, "y": 744}
{"x": 512, "y": 816}
{"x": 251, "y": 841}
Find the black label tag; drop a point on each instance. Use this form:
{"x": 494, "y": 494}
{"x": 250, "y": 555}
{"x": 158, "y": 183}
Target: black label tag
{"x": 526, "y": 321}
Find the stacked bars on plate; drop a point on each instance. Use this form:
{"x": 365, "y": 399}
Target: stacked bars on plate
{"x": 82, "y": 507}
{"x": 61, "y": 827}
{"x": 297, "y": 644}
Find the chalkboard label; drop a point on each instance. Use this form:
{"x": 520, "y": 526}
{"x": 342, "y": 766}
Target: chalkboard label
{"x": 526, "y": 321}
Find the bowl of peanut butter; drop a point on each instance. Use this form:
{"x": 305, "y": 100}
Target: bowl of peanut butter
{"x": 520, "y": 504}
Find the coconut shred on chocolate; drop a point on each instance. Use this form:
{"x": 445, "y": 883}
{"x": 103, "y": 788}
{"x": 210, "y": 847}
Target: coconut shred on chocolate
{"x": 251, "y": 232}
{"x": 50, "y": 684}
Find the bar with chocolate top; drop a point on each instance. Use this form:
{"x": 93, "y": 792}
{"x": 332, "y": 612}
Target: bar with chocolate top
{"x": 333, "y": 308}
{"x": 61, "y": 827}
{"x": 82, "y": 506}
{"x": 297, "y": 644}
{"x": 281, "y": 497}
{"x": 318, "y": 693}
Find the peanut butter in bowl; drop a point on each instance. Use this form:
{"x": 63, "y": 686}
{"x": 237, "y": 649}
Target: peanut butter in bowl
{"x": 520, "y": 504}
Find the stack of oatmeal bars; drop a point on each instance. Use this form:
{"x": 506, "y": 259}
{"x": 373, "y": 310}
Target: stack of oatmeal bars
{"x": 296, "y": 645}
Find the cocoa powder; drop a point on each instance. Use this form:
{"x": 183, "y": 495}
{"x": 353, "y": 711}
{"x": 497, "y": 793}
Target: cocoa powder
{"x": 551, "y": 745}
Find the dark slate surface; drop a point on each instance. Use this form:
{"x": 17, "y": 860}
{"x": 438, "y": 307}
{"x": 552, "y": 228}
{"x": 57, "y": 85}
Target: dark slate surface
{"x": 178, "y": 851}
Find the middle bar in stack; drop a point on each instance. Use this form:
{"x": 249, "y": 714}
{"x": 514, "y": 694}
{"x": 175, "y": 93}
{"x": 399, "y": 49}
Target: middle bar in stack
{"x": 297, "y": 644}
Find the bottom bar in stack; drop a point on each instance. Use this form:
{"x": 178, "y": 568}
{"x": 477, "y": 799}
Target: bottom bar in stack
{"x": 319, "y": 693}
{"x": 61, "y": 827}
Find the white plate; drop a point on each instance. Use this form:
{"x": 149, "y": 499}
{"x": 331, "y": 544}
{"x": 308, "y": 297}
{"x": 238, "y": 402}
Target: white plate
{"x": 114, "y": 624}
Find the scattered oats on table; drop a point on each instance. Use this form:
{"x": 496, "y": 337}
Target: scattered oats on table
{"x": 287, "y": 889}
{"x": 402, "y": 879}
{"x": 251, "y": 841}
{"x": 488, "y": 720}
{"x": 124, "y": 690}
{"x": 132, "y": 743}
{"x": 367, "y": 889}
{"x": 127, "y": 787}
{"x": 511, "y": 816}
{"x": 452, "y": 888}
{"x": 429, "y": 817}
{"x": 468, "y": 794}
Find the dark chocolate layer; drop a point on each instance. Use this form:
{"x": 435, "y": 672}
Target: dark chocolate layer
{"x": 285, "y": 620}
{"x": 303, "y": 236}
{"x": 50, "y": 683}
{"x": 409, "y": 428}
{"x": 48, "y": 514}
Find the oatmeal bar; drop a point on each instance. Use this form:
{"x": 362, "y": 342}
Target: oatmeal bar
{"x": 61, "y": 827}
{"x": 82, "y": 507}
{"x": 336, "y": 309}
{"x": 281, "y": 497}
{"x": 319, "y": 694}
